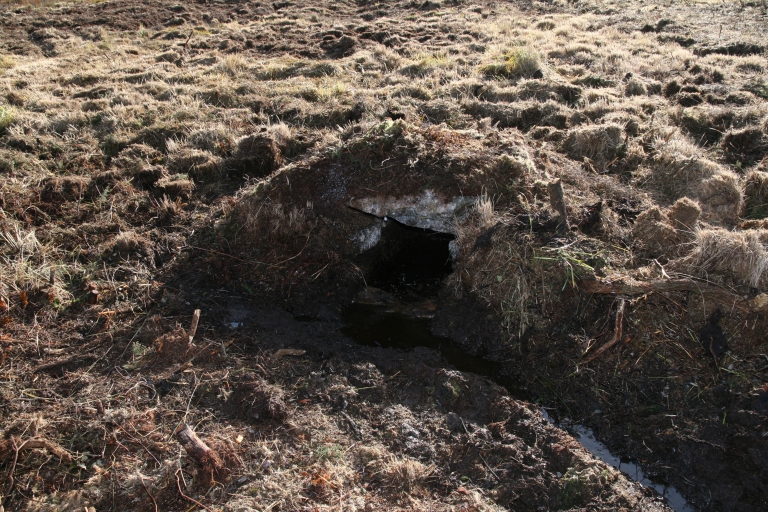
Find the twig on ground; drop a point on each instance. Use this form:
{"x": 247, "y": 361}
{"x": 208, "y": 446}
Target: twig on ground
{"x": 44, "y": 444}
{"x": 489, "y": 468}
{"x": 11, "y": 480}
{"x": 154, "y": 502}
{"x": 178, "y": 486}
{"x": 61, "y": 362}
{"x": 31, "y": 444}
{"x": 191, "y": 396}
{"x": 617, "y": 332}
{"x": 633, "y": 287}
{"x": 306, "y": 243}
{"x": 200, "y": 451}
{"x": 193, "y": 325}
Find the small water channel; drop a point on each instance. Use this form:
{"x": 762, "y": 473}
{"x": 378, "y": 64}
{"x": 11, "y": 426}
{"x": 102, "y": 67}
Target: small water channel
{"x": 408, "y": 270}
{"x": 675, "y": 500}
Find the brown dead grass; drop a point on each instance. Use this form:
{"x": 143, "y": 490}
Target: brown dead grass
{"x": 600, "y": 143}
{"x": 756, "y": 195}
{"x": 123, "y": 143}
{"x": 679, "y": 169}
{"x": 741, "y": 255}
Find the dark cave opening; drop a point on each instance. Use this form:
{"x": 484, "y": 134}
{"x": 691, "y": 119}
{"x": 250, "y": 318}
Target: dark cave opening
{"x": 408, "y": 262}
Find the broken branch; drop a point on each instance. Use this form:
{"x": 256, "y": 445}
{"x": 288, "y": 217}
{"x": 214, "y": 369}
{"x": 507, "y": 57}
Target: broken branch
{"x": 178, "y": 486}
{"x": 60, "y": 362}
{"x": 201, "y": 452}
{"x": 34, "y": 444}
{"x": 632, "y": 287}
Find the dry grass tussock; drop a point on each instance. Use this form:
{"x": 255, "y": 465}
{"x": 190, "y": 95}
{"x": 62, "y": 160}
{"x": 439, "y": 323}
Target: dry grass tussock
{"x": 400, "y": 475}
{"x": 517, "y": 63}
{"x": 600, "y": 143}
{"x": 28, "y": 266}
{"x": 756, "y": 195}
{"x": 280, "y": 223}
{"x": 679, "y": 168}
{"x": 668, "y": 233}
{"x": 485, "y": 214}
{"x": 233, "y": 64}
{"x": 509, "y": 286}
{"x": 742, "y": 255}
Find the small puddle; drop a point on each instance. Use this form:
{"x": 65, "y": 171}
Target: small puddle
{"x": 376, "y": 326}
{"x": 587, "y": 438}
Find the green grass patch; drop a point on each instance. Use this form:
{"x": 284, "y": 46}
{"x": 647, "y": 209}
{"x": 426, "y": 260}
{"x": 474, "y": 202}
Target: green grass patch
{"x": 517, "y": 63}
{"x": 6, "y": 118}
{"x": 758, "y": 88}
{"x": 329, "y": 452}
{"x": 426, "y": 63}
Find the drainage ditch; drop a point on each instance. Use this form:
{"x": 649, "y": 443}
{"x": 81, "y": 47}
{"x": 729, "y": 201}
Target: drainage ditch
{"x": 405, "y": 272}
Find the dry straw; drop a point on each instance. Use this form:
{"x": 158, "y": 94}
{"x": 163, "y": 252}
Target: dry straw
{"x": 741, "y": 254}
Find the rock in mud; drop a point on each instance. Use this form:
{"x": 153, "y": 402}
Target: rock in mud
{"x": 454, "y": 423}
{"x": 427, "y": 210}
{"x": 373, "y": 296}
{"x": 424, "y": 309}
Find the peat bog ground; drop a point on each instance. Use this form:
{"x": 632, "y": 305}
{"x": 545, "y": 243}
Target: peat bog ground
{"x": 409, "y": 229}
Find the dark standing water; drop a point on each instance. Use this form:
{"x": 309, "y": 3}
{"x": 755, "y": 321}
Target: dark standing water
{"x": 374, "y": 326}
{"x": 411, "y": 264}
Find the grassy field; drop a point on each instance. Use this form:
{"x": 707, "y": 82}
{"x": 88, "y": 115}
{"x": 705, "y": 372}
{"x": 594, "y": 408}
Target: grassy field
{"x": 159, "y": 158}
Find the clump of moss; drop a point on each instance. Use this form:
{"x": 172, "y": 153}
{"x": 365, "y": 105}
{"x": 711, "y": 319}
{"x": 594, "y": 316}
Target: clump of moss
{"x": 517, "y": 63}
{"x": 6, "y": 118}
{"x": 516, "y": 166}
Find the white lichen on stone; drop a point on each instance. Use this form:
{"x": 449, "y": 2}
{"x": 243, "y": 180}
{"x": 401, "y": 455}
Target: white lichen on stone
{"x": 367, "y": 237}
